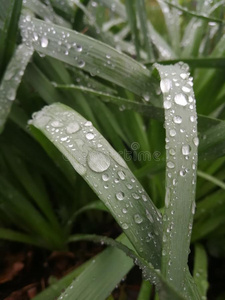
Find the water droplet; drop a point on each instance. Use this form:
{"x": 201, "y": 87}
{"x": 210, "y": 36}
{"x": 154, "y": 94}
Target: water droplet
{"x": 183, "y": 173}
{"x": 72, "y": 127}
{"x": 124, "y": 210}
{"x": 180, "y": 99}
{"x": 129, "y": 186}
{"x": 196, "y": 141}
{"x": 192, "y": 118}
{"x": 149, "y": 216}
{"x": 172, "y": 132}
{"x": 44, "y": 42}
{"x": 167, "y": 104}
{"x": 186, "y": 149}
{"x": 146, "y": 96}
{"x": 88, "y": 124}
{"x": 81, "y": 63}
{"x": 138, "y": 219}
{"x": 90, "y": 136}
{"x": 56, "y": 124}
{"x": 98, "y": 161}
{"x": 105, "y": 177}
{"x": 185, "y": 89}
{"x": 11, "y": 94}
{"x": 184, "y": 75}
{"x": 177, "y": 119}
{"x": 170, "y": 165}
{"x": 193, "y": 207}
{"x": 165, "y": 85}
{"x": 167, "y": 197}
{"x": 125, "y": 226}
{"x": 144, "y": 197}
{"x": 135, "y": 196}
{"x": 172, "y": 151}
{"x": 121, "y": 175}
{"x": 120, "y": 196}
{"x": 79, "y": 48}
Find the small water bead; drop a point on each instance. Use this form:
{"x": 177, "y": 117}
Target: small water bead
{"x": 124, "y": 210}
{"x": 149, "y": 216}
{"x": 138, "y": 219}
{"x": 183, "y": 75}
{"x": 98, "y": 161}
{"x": 180, "y": 99}
{"x": 44, "y": 42}
{"x": 192, "y": 119}
{"x": 63, "y": 139}
{"x": 105, "y": 177}
{"x": 88, "y": 124}
{"x": 186, "y": 89}
{"x": 120, "y": 196}
{"x": 90, "y": 136}
{"x": 56, "y": 124}
{"x": 193, "y": 207}
{"x": 121, "y": 175}
{"x": 186, "y": 149}
{"x": 196, "y": 141}
{"x": 129, "y": 186}
{"x": 116, "y": 180}
{"x": 135, "y": 196}
{"x": 166, "y": 85}
{"x": 183, "y": 173}
{"x": 81, "y": 63}
{"x": 144, "y": 198}
{"x": 72, "y": 127}
{"x": 167, "y": 104}
{"x": 11, "y": 94}
{"x": 125, "y": 226}
{"x": 172, "y": 151}
{"x": 177, "y": 119}
{"x": 172, "y": 132}
{"x": 170, "y": 165}
{"x": 79, "y": 48}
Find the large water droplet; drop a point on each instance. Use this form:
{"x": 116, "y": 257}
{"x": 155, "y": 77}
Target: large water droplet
{"x": 165, "y": 85}
{"x": 72, "y": 127}
{"x": 180, "y": 99}
{"x": 44, "y": 42}
{"x": 186, "y": 149}
{"x": 120, "y": 196}
{"x": 185, "y": 89}
{"x": 138, "y": 219}
{"x": 98, "y": 161}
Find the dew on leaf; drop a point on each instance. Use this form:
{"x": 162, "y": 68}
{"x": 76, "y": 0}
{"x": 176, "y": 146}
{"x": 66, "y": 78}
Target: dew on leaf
{"x": 98, "y": 161}
{"x": 180, "y": 99}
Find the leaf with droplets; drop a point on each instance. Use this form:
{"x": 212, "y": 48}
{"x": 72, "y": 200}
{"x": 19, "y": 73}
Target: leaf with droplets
{"x": 11, "y": 81}
{"x": 90, "y": 55}
{"x": 181, "y": 153}
{"x": 79, "y": 287}
{"x": 107, "y": 174}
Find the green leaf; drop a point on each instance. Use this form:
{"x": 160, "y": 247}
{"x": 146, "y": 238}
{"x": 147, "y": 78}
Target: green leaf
{"x": 181, "y": 157}
{"x": 107, "y": 173}
{"x": 165, "y": 290}
{"x": 11, "y": 81}
{"x": 9, "y": 16}
{"x": 102, "y": 60}
{"x": 200, "y": 270}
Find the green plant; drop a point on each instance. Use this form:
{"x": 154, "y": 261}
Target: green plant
{"x": 119, "y": 79}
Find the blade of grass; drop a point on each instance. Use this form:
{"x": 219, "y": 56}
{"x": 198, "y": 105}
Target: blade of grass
{"x": 90, "y": 148}
{"x": 10, "y": 13}
{"x": 166, "y": 291}
{"x": 102, "y": 60}
{"x": 131, "y": 15}
{"x": 142, "y": 15}
{"x": 200, "y": 270}
{"x": 181, "y": 153}
{"x": 11, "y": 81}
{"x": 145, "y": 291}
